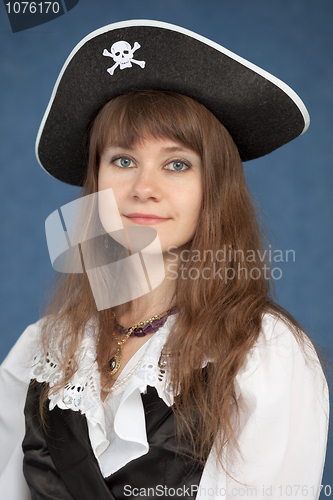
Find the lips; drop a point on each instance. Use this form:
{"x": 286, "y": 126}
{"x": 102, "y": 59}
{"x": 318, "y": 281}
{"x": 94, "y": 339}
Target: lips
{"x": 145, "y": 219}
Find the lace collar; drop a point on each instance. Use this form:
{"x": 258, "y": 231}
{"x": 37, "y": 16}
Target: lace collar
{"x": 82, "y": 393}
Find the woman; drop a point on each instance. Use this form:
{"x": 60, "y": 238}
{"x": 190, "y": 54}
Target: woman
{"x": 195, "y": 385}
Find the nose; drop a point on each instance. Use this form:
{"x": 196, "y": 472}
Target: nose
{"x": 146, "y": 185}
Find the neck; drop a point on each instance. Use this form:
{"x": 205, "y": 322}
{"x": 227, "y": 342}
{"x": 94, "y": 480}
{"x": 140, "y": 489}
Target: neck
{"x": 155, "y": 302}
{"x": 145, "y": 307}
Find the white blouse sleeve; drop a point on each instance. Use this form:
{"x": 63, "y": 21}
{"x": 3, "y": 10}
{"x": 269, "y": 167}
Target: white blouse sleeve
{"x": 283, "y": 401}
{"x": 14, "y": 381}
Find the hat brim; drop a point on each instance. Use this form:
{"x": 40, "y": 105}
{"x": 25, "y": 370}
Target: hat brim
{"x": 260, "y": 111}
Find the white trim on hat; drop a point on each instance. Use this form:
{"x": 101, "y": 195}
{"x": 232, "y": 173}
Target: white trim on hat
{"x": 172, "y": 27}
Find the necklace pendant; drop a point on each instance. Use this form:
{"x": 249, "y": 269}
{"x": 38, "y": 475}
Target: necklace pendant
{"x": 115, "y": 361}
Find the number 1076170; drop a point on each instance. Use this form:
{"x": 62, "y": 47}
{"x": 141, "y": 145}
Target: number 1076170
{"x": 33, "y": 7}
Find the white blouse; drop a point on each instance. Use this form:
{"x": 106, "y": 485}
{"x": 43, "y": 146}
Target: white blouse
{"x": 281, "y": 391}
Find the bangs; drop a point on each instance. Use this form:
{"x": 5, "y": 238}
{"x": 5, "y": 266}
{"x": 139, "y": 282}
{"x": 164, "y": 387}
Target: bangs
{"x": 137, "y": 116}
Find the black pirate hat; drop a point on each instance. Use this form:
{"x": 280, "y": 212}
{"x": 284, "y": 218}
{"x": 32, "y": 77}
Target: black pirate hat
{"x": 260, "y": 111}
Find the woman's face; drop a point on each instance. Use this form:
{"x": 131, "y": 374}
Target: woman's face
{"x": 157, "y": 183}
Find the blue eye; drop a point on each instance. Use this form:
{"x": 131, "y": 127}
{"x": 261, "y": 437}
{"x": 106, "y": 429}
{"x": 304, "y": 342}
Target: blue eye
{"x": 178, "y": 166}
{"x": 123, "y": 162}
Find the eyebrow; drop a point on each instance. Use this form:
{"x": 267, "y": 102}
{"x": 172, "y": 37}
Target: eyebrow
{"x": 170, "y": 149}
{"x": 174, "y": 149}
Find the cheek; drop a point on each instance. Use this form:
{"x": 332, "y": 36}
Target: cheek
{"x": 191, "y": 207}
{"x": 105, "y": 179}
{"x": 101, "y": 179}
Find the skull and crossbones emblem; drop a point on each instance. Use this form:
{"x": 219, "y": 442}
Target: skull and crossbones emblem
{"x": 122, "y": 54}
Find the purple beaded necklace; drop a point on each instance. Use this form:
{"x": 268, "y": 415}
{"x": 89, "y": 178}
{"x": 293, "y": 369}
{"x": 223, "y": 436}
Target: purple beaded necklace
{"x": 141, "y": 330}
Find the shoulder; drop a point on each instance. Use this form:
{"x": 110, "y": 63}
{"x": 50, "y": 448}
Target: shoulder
{"x": 279, "y": 338}
{"x": 281, "y": 417}
{"x": 20, "y": 358}
{"x": 14, "y": 382}
{"x": 282, "y": 363}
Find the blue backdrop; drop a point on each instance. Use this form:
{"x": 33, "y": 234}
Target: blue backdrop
{"x": 290, "y": 38}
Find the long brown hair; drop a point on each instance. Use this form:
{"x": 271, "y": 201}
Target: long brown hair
{"x": 219, "y": 318}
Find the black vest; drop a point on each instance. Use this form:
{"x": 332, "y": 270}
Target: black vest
{"x": 59, "y": 462}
